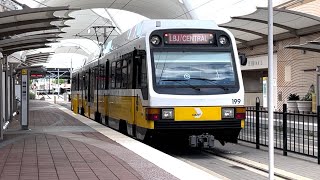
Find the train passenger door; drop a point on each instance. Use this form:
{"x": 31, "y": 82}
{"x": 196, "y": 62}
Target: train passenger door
{"x": 82, "y": 89}
{"x": 140, "y": 89}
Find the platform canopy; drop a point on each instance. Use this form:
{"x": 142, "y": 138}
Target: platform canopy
{"x": 31, "y": 28}
{"x": 313, "y": 46}
{"x": 252, "y": 29}
{"x": 37, "y": 58}
{"x": 153, "y": 9}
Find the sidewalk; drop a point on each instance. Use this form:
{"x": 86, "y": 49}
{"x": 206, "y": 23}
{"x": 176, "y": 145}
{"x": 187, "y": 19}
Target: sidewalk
{"x": 293, "y": 164}
{"x": 62, "y": 145}
{"x": 49, "y": 151}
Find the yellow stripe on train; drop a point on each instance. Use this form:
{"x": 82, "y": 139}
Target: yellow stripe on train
{"x": 197, "y": 113}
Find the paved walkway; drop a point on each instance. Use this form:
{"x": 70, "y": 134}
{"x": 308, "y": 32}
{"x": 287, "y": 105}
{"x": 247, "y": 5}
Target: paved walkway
{"x": 293, "y": 166}
{"x": 59, "y": 146}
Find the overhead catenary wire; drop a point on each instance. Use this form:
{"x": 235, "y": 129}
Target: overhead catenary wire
{"x": 109, "y": 15}
{"x": 102, "y": 26}
{"x": 94, "y": 20}
{"x": 40, "y": 3}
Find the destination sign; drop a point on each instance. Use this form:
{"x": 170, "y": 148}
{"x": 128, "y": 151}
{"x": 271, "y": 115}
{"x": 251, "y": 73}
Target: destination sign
{"x": 36, "y": 75}
{"x": 188, "y": 38}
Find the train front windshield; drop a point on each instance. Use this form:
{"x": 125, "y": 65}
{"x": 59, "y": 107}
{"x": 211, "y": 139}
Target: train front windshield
{"x": 198, "y": 69}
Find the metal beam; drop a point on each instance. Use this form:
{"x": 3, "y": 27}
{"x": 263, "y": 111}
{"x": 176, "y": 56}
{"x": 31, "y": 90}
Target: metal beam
{"x": 19, "y": 40}
{"x": 291, "y": 30}
{"x": 316, "y": 18}
{"x": 17, "y": 48}
{"x": 29, "y": 41}
{"x": 32, "y": 29}
{"x": 243, "y": 42}
{"x": 304, "y": 48}
{"x": 36, "y": 60}
{"x": 34, "y": 21}
{"x": 34, "y": 10}
{"x": 39, "y": 54}
{"x": 40, "y": 57}
{"x": 247, "y": 31}
{"x": 26, "y": 48}
{"x": 315, "y": 42}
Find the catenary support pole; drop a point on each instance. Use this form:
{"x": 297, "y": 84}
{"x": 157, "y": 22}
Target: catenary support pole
{"x": 270, "y": 89}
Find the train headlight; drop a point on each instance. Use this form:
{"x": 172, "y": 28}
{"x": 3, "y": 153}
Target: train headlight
{"x": 155, "y": 40}
{"x": 167, "y": 113}
{"x": 223, "y": 40}
{"x": 227, "y": 112}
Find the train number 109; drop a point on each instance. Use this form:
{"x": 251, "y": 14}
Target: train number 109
{"x": 236, "y": 101}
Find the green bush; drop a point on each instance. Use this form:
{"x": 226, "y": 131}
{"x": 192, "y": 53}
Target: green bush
{"x": 293, "y": 97}
{"x": 308, "y": 96}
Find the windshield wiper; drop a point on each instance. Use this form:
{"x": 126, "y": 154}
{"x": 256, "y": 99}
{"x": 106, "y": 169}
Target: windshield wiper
{"x": 211, "y": 81}
{"x": 182, "y": 80}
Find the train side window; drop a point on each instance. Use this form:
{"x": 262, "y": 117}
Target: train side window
{"x": 78, "y": 82}
{"x": 129, "y": 61}
{"x": 118, "y": 75}
{"x": 87, "y": 85}
{"x": 81, "y": 81}
{"x": 124, "y": 75}
{"x": 73, "y": 85}
{"x": 141, "y": 71}
{"x": 113, "y": 75}
{"x": 144, "y": 80}
{"x": 92, "y": 84}
{"x": 106, "y": 72}
{"x": 101, "y": 79}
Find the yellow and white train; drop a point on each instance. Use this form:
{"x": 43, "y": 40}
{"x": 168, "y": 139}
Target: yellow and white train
{"x": 166, "y": 77}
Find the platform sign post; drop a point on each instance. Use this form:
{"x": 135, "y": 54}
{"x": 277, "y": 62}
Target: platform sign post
{"x": 24, "y": 99}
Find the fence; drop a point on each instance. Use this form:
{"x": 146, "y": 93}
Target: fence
{"x": 293, "y": 132}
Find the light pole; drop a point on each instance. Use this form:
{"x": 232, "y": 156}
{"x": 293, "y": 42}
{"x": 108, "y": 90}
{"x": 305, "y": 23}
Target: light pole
{"x": 270, "y": 89}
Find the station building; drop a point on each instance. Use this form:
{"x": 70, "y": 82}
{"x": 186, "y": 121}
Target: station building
{"x": 294, "y": 69}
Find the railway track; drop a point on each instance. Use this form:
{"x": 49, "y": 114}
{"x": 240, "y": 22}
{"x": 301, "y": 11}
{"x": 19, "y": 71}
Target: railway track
{"x": 255, "y": 167}
{"x": 226, "y": 165}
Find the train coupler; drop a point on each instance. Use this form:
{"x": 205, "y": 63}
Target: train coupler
{"x": 204, "y": 141}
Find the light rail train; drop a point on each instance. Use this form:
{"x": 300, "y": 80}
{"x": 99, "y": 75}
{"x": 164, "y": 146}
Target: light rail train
{"x": 177, "y": 78}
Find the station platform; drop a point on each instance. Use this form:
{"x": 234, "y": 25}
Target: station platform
{"x": 62, "y": 145}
